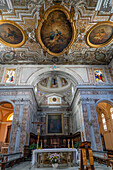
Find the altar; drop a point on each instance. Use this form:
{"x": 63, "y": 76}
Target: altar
{"x": 70, "y": 155}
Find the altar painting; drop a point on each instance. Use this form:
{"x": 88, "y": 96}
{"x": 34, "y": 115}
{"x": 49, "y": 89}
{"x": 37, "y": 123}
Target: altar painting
{"x": 100, "y": 34}
{"x": 54, "y": 124}
{"x": 11, "y": 34}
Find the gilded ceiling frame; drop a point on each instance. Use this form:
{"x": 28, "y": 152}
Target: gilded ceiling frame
{"x": 70, "y": 18}
{"x": 24, "y": 35}
{"x": 94, "y": 27}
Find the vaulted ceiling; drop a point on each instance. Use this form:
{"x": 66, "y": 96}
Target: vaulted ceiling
{"x": 27, "y": 13}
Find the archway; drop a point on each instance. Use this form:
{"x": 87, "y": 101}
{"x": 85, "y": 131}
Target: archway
{"x": 105, "y": 119}
{"x": 6, "y": 117}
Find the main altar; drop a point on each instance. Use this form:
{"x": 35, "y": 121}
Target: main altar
{"x": 69, "y": 156}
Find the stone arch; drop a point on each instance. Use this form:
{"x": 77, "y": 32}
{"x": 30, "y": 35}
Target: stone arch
{"x": 37, "y": 76}
{"x": 12, "y": 103}
{"x": 106, "y": 101}
{"x": 103, "y": 106}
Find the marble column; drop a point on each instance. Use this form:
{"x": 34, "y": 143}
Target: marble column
{"x": 90, "y": 119}
{"x": 17, "y": 142}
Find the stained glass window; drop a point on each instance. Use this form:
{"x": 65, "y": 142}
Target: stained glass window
{"x": 111, "y": 111}
{"x": 99, "y": 75}
{"x": 104, "y": 122}
{"x": 10, "y": 76}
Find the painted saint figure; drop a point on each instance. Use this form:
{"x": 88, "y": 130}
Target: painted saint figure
{"x": 11, "y": 34}
{"x": 55, "y": 36}
{"x": 99, "y": 76}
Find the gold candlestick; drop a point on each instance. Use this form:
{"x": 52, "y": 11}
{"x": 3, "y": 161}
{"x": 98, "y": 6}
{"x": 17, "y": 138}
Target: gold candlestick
{"x": 72, "y": 144}
{"x": 68, "y": 143}
{"x": 41, "y": 143}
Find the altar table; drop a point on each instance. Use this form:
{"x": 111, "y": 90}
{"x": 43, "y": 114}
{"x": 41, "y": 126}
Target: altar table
{"x": 54, "y": 150}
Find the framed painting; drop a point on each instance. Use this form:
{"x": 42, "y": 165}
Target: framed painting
{"x": 100, "y": 34}
{"x": 54, "y": 124}
{"x": 11, "y": 34}
{"x": 56, "y": 30}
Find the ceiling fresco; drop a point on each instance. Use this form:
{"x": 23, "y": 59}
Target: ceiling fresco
{"x": 27, "y": 14}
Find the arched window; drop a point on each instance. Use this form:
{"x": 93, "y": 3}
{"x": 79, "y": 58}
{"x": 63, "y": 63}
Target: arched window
{"x": 111, "y": 111}
{"x": 104, "y": 122}
{"x": 10, "y": 117}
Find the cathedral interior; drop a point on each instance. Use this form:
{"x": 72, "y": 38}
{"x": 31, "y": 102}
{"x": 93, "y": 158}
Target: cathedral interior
{"x": 56, "y": 74}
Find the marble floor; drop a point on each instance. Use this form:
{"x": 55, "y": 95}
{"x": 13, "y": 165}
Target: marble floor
{"x": 27, "y": 166}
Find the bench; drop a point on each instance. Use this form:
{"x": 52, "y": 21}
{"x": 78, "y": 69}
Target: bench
{"x": 101, "y": 157}
{"x": 11, "y": 159}
{"x": 102, "y": 160}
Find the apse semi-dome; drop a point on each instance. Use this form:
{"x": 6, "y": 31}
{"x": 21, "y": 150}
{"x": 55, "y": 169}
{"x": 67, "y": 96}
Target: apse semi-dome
{"x": 54, "y": 84}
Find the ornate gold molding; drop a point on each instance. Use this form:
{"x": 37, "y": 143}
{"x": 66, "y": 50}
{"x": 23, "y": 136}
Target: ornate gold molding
{"x": 11, "y": 34}
{"x": 44, "y": 18}
{"x": 100, "y": 35}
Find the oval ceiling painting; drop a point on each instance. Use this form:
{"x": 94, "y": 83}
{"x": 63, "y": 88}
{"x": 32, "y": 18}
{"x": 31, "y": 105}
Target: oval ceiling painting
{"x": 11, "y": 34}
{"x": 56, "y": 32}
{"x": 100, "y": 35}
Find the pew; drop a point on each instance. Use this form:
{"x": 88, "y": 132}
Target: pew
{"x": 10, "y": 159}
{"x": 101, "y": 157}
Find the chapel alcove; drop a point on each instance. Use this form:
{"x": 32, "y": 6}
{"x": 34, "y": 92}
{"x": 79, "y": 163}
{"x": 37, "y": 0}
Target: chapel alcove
{"x": 105, "y": 119}
{"x": 6, "y": 117}
{"x": 55, "y": 93}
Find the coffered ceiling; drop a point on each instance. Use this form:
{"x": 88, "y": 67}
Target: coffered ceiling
{"x": 27, "y": 14}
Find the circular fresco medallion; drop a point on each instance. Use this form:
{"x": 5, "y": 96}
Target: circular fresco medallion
{"x": 11, "y": 34}
{"x": 9, "y": 56}
{"x": 100, "y": 34}
{"x": 99, "y": 56}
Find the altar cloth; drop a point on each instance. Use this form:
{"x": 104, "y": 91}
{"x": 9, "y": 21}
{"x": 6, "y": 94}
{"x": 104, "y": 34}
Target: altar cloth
{"x": 54, "y": 150}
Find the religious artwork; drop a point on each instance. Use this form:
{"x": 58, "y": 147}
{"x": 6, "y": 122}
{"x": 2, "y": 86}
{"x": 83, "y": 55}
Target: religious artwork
{"x": 11, "y": 34}
{"x": 99, "y": 75}
{"x": 64, "y": 81}
{"x": 10, "y": 76}
{"x": 44, "y": 82}
{"x": 100, "y": 34}
{"x": 54, "y": 82}
{"x": 56, "y": 32}
{"x": 54, "y": 124}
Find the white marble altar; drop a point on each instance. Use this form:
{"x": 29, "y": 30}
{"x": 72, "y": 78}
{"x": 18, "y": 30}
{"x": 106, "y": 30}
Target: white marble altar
{"x": 54, "y": 150}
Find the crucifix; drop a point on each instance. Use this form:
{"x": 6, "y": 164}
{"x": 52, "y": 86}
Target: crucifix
{"x": 39, "y": 124}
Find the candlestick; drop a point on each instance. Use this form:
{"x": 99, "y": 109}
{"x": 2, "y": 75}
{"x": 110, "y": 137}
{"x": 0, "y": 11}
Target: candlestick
{"x": 72, "y": 144}
{"x": 41, "y": 143}
{"x": 68, "y": 143}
